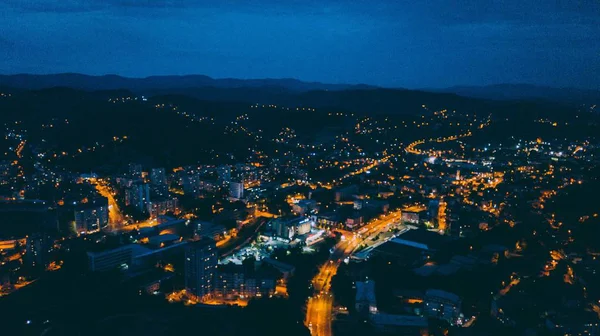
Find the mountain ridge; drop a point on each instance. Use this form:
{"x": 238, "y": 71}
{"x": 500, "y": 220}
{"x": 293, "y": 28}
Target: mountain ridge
{"x": 507, "y": 91}
{"x": 112, "y": 81}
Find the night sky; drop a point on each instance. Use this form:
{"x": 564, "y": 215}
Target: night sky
{"x": 412, "y": 44}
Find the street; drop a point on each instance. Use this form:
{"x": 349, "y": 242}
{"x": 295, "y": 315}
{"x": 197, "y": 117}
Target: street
{"x": 115, "y": 217}
{"x": 320, "y": 306}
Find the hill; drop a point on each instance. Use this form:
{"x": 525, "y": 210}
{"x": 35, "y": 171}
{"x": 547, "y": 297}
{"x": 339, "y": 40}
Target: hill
{"x": 112, "y": 82}
{"x": 526, "y": 92}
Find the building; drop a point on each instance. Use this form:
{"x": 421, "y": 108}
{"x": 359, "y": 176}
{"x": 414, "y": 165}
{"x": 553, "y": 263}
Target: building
{"x": 158, "y": 176}
{"x": 354, "y": 222}
{"x": 224, "y": 174}
{"x": 201, "y": 267}
{"x": 421, "y": 239}
{"x": 374, "y": 205}
{"x": 345, "y": 193}
{"x": 455, "y": 226}
{"x": 289, "y": 228}
{"x": 433, "y": 210}
{"x": 137, "y": 257}
{"x": 210, "y": 230}
{"x": 411, "y": 247}
{"x": 443, "y": 305}
{"x": 135, "y": 170}
{"x": 165, "y": 248}
{"x": 139, "y": 196}
{"x": 159, "y": 207}
{"x": 297, "y": 173}
{"x": 236, "y": 190}
{"x": 158, "y": 180}
{"x": 574, "y": 323}
{"x": 411, "y": 217}
{"x": 400, "y": 325}
{"x": 190, "y": 183}
{"x": 7, "y": 170}
{"x": 328, "y": 221}
{"x": 286, "y": 270}
{"x": 207, "y": 185}
{"x": 365, "y": 302}
{"x": 304, "y": 207}
{"x": 237, "y": 281}
{"x": 120, "y": 257}
{"x": 91, "y": 216}
{"x": 230, "y": 281}
{"x": 38, "y": 247}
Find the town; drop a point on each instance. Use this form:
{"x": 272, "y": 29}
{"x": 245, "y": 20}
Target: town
{"x": 426, "y": 223}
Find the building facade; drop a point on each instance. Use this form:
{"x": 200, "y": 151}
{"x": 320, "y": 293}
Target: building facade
{"x": 91, "y": 216}
{"x": 201, "y": 268}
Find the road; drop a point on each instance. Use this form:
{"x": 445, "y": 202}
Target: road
{"x": 239, "y": 243}
{"x": 359, "y": 171}
{"x": 115, "y": 217}
{"x": 320, "y": 306}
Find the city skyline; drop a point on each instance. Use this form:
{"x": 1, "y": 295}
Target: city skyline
{"x": 299, "y": 167}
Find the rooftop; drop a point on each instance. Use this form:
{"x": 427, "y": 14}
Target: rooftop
{"x": 399, "y": 320}
{"x": 442, "y": 294}
{"x": 157, "y": 240}
{"x": 202, "y": 243}
{"x": 422, "y": 239}
{"x": 365, "y": 291}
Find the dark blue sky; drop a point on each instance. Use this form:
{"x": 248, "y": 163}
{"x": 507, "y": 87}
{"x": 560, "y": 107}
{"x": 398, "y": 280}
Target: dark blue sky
{"x": 413, "y": 44}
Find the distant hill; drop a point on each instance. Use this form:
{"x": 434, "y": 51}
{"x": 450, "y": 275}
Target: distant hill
{"x": 279, "y": 91}
{"x": 365, "y": 101}
{"x": 114, "y": 82}
{"x": 526, "y": 92}
{"x": 362, "y": 99}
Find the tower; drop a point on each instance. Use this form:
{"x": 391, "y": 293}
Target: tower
{"x": 200, "y": 267}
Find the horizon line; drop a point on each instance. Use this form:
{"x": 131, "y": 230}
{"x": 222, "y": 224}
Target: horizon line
{"x": 377, "y": 86}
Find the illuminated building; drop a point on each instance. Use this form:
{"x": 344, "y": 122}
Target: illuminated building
{"x": 411, "y": 217}
{"x": 378, "y": 206}
{"x": 433, "y": 211}
{"x": 304, "y": 207}
{"x": 455, "y": 227}
{"x": 139, "y": 196}
{"x": 158, "y": 176}
{"x": 162, "y": 206}
{"x": 210, "y": 230}
{"x": 354, "y": 222}
{"x": 329, "y": 220}
{"x": 158, "y": 179}
{"x": 111, "y": 259}
{"x": 236, "y": 280}
{"x": 37, "y": 248}
{"x": 236, "y": 190}
{"x": 346, "y": 192}
{"x": 291, "y": 227}
{"x": 201, "y": 267}
{"x": 135, "y": 170}
{"x": 443, "y": 305}
{"x": 224, "y": 174}
{"x": 91, "y": 216}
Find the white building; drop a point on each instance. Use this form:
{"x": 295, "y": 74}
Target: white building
{"x": 236, "y": 190}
